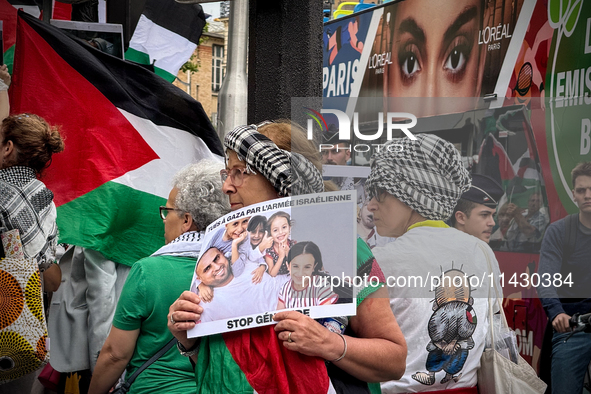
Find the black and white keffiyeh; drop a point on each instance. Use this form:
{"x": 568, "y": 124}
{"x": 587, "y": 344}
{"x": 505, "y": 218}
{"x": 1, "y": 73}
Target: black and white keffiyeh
{"x": 27, "y": 205}
{"x": 289, "y": 172}
{"x": 187, "y": 244}
{"x": 426, "y": 174}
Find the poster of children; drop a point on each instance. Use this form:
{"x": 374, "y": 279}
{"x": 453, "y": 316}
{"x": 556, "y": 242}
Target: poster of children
{"x": 296, "y": 253}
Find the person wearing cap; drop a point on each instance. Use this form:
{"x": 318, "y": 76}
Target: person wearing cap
{"x": 475, "y": 209}
{"x": 336, "y": 153}
{"x": 445, "y": 322}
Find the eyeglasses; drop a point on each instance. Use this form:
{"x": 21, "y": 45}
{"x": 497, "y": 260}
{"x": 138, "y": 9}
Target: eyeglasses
{"x": 236, "y": 175}
{"x": 164, "y": 211}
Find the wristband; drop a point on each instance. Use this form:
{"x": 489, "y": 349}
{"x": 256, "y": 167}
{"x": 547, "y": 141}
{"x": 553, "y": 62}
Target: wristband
{"x": 344, "y": 351}
{"x": 3, "y": 85}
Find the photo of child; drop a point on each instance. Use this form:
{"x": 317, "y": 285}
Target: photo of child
{"x": 280, "y": 227}
{"x": 260, "y": 240}
{"x": 304, "y": 262}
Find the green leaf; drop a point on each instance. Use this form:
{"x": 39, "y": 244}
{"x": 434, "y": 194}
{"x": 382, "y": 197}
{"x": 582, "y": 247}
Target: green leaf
{"x": 557, "y": 10}
{"x": 554, "y": 11}
{"x": 573, "y": 17}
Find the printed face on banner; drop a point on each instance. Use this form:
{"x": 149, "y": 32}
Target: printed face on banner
{"x": 435, "y": 49}
{"x": 442, "y": 50}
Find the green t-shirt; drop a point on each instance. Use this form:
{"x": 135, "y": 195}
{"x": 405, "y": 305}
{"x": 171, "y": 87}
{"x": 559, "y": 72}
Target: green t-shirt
{"x": 153, "y": 284}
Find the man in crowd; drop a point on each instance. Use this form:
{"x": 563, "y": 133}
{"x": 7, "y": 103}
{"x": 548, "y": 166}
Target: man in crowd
{"x": 336, "y": 153}
{"x": 475, "y": 209}
{"x": 527, "y": 229}
{"x": 559, "y": 255}
{"x": 235, "y": 296}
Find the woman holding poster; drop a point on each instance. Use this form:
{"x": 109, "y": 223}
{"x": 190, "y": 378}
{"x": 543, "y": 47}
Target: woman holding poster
{"x": 373, "y": 351}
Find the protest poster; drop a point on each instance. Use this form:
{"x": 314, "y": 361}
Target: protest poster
{"x": 293, "y": 253}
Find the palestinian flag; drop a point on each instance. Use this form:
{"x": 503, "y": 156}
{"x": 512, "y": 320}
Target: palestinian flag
{"x": 166, "y": 36}
{"x": 8, "y": 9}
{"x": 497, "y": 163}
{"x": 8, "y": 17}
{"x": 127, "y": 132}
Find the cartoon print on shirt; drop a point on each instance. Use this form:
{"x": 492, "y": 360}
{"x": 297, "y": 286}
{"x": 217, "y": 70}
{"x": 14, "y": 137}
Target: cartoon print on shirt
{"x": 450, "y": 328}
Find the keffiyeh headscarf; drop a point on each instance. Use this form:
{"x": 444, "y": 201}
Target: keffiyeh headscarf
{"x": 426, "y": 174}
{"x": 289, "y": 172}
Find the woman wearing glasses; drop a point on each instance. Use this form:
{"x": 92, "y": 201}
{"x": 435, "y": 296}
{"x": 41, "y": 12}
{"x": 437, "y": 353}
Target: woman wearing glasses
{"x": 262, "y": 164}
{"x": 195, "y": 201}
{"x": 445, "y": 322}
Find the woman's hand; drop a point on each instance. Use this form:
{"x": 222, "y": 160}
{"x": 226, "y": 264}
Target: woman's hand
{"x": 182, "y": 315}
{"x": 4, "y": 75}
{"x": 307, "y": 336}
{"x": 257, "y": 274}
{"x": 4, "y": 102}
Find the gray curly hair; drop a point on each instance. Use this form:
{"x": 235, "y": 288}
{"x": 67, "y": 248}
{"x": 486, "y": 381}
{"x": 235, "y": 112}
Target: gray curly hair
{"x": 200, "y": 192}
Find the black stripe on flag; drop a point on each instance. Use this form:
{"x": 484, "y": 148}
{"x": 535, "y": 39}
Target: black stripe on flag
{"x": 129, "y": 86}
{"x": 23, "y": 2}
{"x": 186, "y": 20}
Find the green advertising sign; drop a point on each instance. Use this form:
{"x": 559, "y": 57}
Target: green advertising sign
{"x": 568, "y": 121}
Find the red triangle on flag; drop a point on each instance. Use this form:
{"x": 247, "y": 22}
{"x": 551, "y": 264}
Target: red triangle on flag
{"x": 101, "y": 144}
{"x": 8, "y": 17}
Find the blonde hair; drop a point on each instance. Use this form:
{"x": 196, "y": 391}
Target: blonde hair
{"x": 291, "y": 137}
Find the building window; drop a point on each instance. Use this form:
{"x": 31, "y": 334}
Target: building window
{"x": 217, "y": 72}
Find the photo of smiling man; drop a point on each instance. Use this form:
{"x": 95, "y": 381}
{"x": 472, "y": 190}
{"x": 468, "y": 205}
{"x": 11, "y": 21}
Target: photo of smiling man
{"x": 234, "y": 295}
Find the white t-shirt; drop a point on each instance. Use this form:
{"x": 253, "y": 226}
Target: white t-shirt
{"x": 445, "y": 332}
{"x": 241, "y": 297}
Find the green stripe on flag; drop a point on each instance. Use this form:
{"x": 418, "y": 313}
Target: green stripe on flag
{"x": 215, "y": 364}
{"x": 9, "y": 58}
{"x": 137, "y": 56}
{"x": 165, "y": 74}
{"x": 143, "y": 58}
{"x": 112, "y": 227}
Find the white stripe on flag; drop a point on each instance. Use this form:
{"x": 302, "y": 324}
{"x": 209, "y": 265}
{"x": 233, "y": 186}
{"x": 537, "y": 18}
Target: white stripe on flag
{"x": 168, "y": 49}
{"x": 29, "y": 9}
{"x": 176, "y": 149}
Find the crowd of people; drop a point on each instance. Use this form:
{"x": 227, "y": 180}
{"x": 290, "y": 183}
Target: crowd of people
{"x": 401, "y": 339}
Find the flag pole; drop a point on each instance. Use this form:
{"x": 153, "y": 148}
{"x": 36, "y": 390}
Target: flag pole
{"x": 233, "y": 96}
